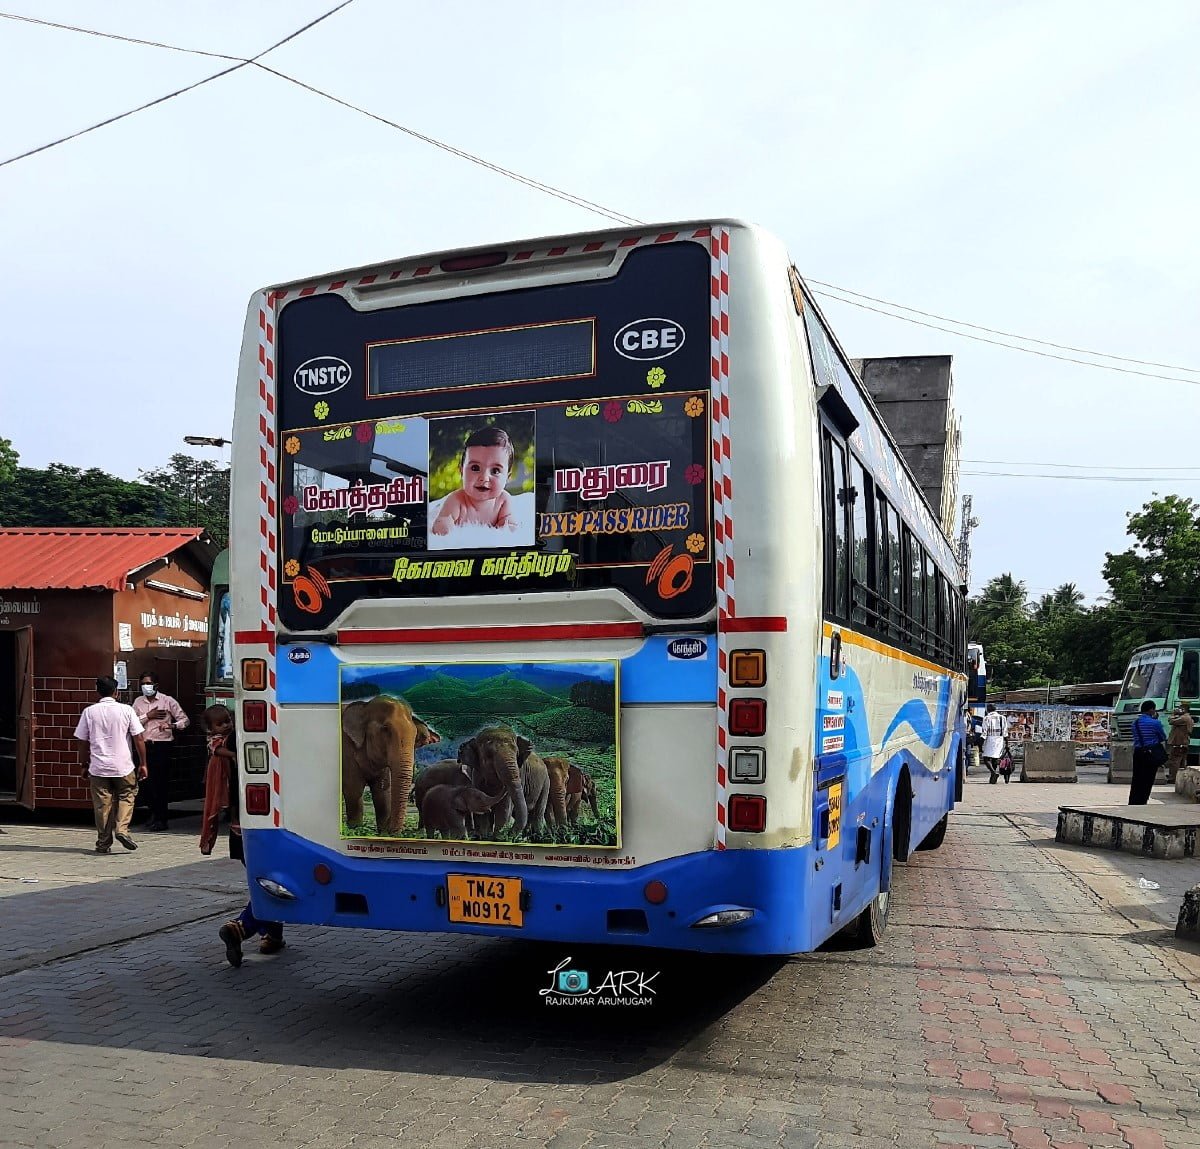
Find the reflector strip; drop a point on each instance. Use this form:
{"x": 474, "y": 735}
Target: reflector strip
{"x": 558, "y": 631}
{"x": 751, "y": 624}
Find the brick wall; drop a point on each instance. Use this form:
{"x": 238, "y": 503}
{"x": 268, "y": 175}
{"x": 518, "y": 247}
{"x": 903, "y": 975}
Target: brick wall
{"x": 57, "y": 776}
{"x": 57, "y": 705}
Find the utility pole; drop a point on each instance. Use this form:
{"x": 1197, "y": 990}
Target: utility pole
{"x": 964, "y": 540}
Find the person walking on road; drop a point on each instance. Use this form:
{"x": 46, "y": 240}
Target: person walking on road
{"x": 995, "y": 731}
{"x": 1149, "y": 753}
{"x": 1179, "y": 739}
{"x": 105, "y": 729}
{"x": 221, "y": 791}
{"x": 161, "y": 715}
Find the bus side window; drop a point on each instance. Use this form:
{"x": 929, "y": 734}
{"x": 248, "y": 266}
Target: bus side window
{"x": 1189, "y": 675}
{"x": 895, "y": 574}
{"x": 914, "y": 592}
{"x": 939, "y": 626}
{"x": 880, "y": 583}
{"x": 837, "y": 561}
{"x": 862, "y": 608}
{"x": 929, "y": 597}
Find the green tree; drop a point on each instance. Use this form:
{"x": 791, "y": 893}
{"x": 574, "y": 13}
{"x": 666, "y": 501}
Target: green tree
{"x": 1064, "y": 601}
{"x": 1013, "y": 641}
{"x": 62, "y": 496}
{"x": 1154, "y": 586}
{"x": 200, "y": 483}
{"x": 9, "y": 460}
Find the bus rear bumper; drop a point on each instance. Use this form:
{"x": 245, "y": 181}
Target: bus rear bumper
{"x": 568, "y": 904}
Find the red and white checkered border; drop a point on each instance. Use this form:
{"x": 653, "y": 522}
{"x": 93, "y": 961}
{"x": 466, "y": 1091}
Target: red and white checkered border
{"x": 722, "y": 480}
{"x": 268, "y": 314}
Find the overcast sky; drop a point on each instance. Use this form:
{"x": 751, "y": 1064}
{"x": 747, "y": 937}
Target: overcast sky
{"x": 1024, "y": 166}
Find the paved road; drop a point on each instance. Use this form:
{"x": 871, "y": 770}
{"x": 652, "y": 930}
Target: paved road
{"x": 1029, "y": 995}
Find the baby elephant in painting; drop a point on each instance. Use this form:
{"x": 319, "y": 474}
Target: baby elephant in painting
{"x": 447, "y": 772}
{"x": 446, "y": 808}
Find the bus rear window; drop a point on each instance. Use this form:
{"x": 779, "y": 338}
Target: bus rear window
{"x": 542, "y": 439}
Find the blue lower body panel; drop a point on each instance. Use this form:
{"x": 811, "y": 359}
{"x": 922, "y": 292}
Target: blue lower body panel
{"x": 564, "y": 904}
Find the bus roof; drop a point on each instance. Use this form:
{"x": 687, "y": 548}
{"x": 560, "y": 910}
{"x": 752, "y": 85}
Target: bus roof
{"x": 535, "y": 243}
{"x": 550, "y": 244}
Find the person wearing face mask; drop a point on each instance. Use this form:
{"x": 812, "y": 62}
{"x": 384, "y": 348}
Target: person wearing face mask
{"x": 161, "y": 715}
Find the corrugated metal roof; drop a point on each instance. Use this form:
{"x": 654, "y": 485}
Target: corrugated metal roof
{"x": 84, "y": 558}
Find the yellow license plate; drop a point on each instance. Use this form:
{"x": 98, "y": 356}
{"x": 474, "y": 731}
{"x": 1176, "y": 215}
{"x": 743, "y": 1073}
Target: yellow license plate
{"x": 835, "y": 815}
{"x": 478, "y": 900}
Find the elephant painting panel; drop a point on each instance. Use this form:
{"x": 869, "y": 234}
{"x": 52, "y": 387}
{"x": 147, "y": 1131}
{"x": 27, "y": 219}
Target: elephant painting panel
{"x": 507, "y": 752}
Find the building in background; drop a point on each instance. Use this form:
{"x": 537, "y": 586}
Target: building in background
{"x": 77, "y": 603}
{"x": 913, "y": 394}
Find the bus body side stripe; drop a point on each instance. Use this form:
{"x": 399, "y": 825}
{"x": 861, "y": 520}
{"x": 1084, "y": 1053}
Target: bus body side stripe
{"x": 722, "y": 487}
{"x": 267, "y": 479}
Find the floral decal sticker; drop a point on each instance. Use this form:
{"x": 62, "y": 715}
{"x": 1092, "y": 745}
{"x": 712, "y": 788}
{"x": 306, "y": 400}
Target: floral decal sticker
{"x": 291, "y": 505}
{"x": 364, "y": 432}
{"x": 694, "y": 407}
{"x": 612, "y": 412}
{"x": 291, "y": 568}
{"x": 579, "y": 410}
{"x": 656, "y": 377}
{"x": 321, "y": 410}
{"x": 292, "y": 445}
{"x": 641, "y": 407}
{"x": 695, "y": 543}
{"x": 694, "y": 474}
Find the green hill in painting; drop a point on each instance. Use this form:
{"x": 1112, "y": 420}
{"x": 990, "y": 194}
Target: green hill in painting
{"x": 502, "y": 694}
{"x": 441, "y": 694}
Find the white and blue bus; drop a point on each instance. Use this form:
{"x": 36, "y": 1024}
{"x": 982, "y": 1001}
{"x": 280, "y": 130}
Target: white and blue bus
{"x": 580, "y": 594}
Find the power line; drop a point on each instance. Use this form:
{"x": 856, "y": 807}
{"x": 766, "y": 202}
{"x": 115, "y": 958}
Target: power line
{"x": 1085, "y": 478}
{"x": 1068, "y": 466}
{"x": 508, "y": 173}
{"x": 1011, "y": 346}
{"x": 536, "y": 185}
{"x": 571, "y": 198}
{"x": 170, "y": 95}
{"x": 126, "y": 39}
{"x": 1006, "y": 334}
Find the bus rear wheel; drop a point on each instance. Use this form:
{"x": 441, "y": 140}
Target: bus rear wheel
{"x": 869, "y": 927}
{"x": 936, "y": 836}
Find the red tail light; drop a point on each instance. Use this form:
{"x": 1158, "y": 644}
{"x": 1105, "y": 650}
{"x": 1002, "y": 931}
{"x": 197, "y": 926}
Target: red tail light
{"x": 254, "y": 715}
{"x": 258, "y": 798}
{"x": 747, "y": 813}
{"x": 748, "y": 717}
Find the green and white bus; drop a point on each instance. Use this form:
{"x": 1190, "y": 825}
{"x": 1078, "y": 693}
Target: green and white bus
{"x": 1164, "y": 673}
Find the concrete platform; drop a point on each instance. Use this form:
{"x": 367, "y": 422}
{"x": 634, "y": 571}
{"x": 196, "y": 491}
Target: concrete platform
{"x": 1187, "y": 783}
{"x": 1154, "y": 831}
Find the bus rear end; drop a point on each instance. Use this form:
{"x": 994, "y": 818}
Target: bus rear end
{"x": 478, "y": 571}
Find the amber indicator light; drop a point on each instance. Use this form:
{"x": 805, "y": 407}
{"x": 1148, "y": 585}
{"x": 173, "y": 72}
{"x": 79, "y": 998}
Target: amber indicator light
{"x": 748, "y": 668}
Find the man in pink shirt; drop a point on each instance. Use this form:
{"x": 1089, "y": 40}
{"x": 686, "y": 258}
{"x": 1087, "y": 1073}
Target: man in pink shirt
{"x": 104, "y": 729}
{"x": 161, "y": 715}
